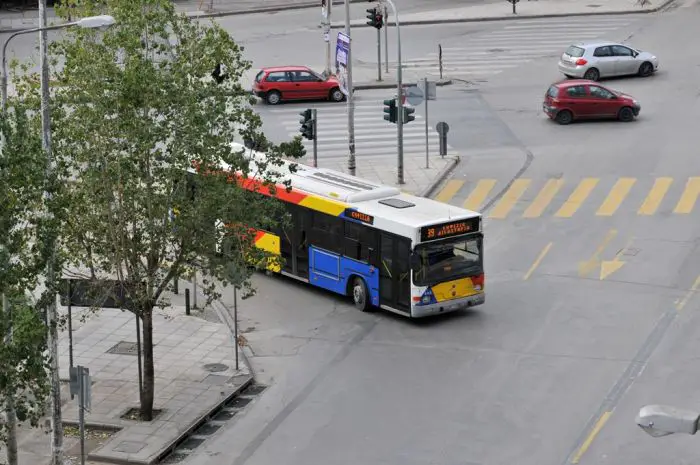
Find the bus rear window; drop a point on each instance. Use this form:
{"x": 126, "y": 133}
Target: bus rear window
{"x": 574, "y": 51}
{"x": 259, "y": 76}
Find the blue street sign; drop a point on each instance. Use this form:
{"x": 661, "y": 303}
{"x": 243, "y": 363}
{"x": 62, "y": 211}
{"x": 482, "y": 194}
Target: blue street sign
{"x": 342, "y": 52}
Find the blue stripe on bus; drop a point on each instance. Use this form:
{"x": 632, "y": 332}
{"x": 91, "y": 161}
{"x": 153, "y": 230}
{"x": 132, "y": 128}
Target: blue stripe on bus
{"x": 332, "y": 271}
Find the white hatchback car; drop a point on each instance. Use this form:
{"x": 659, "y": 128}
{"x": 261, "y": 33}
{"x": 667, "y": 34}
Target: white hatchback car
{"x": 597, "y": 60}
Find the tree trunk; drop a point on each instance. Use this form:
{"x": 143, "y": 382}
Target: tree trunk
{"x": 11, "y": 421}
{"x": 147, "y": 394}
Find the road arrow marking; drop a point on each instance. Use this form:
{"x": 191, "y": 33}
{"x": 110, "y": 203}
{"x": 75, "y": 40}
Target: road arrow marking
{"x": 588, "y": 266}
{"x": 608, "y": 267}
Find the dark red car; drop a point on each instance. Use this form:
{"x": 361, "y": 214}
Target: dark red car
{"x": 574, "y": 99}
{"x": 275, "y": 85}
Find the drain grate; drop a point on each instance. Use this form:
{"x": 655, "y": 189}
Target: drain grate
{"x": 175, "y": 458}
{"x": 124, "y": 348}
{"x": 224, "y": 415}
{"x": 239, "y": 402}
{"x": 254, "y": 389}
{"x": 207, "y": 429}
{"x": 192, "y": 443}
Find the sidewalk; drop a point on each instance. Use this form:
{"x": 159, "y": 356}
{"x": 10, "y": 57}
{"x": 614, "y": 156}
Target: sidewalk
{"x": 14, "y": 19}
{"x": 195, "y": 375}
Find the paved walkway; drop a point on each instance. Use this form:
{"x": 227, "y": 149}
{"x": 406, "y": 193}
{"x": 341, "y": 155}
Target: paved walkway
{"x": 195, "y": 374}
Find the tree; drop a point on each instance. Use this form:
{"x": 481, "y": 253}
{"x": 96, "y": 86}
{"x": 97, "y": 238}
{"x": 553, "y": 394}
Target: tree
{"x": 135, "y": 105}
{"x": 23, "y": 359}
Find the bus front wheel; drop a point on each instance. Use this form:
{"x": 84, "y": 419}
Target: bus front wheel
{"x": 360, "y": 295}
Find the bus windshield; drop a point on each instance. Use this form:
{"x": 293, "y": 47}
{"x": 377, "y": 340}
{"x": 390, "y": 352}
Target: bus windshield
{"x": 447, "y": 260}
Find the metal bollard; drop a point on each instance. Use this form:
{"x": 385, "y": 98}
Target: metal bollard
{"x": 187, "y": 301}
{"x": 176, "y": 287}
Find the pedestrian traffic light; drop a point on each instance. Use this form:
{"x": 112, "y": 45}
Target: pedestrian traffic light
{"x": 408, "y": 115}
{"x": 378, "y": 20}
{"x": 372, "y": 17}
{"x": 307, "y": 124}
{"x": 390, "y": 110}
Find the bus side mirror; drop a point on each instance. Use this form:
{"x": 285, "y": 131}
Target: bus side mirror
{"x": 415, "y": 261}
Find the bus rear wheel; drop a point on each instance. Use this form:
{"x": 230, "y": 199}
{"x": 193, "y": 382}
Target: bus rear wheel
{"x": 360, "y": 295}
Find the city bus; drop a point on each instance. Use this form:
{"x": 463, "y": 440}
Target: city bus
{"x": 378, "y": 246}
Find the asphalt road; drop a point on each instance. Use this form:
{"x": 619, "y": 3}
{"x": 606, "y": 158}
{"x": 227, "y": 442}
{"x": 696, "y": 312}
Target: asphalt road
{"x": 553, "y": 368}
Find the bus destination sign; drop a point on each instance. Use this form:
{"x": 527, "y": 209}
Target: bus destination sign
{"x": 453, "y": 228}
{"x": 359, "y": 216}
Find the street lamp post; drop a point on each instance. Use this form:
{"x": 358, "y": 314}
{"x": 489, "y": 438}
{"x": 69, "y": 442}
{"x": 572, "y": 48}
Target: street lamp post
{"x": 90, "y": 22}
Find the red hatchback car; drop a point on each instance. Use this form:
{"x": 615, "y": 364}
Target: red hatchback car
{"x": 295, "y": 83}
{"x": 574, "y": 99}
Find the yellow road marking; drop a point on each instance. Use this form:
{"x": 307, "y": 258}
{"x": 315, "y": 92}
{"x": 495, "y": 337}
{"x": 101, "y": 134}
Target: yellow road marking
{"x": 449, "y": 191}
{"x": 504, "y": 206}
{"x": 656, "y": 195}
{"x": 690, "y": 195}
{"x": 544, "y": 198}
{"x": 588, "y": 266}
{"x": 616, "y": 196}
{"x": 591, "y": 436}
{"x": 580, "y": 194}
{"x": 478, "y": 195}
{"x": 538, "y": 260}
{"x": 608, "y": 267}
{"x": 688, "y": 294}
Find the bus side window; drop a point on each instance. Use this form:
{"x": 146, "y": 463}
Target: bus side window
{"x": 327, "y": 232}
{"x": 352, "y": 244}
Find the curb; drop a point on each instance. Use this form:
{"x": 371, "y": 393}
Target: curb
{"x": 272, "y": 9}
{"x": 444, "y": 173}
{"x": 514, "y": 17}
{"x": 388, "y": 85}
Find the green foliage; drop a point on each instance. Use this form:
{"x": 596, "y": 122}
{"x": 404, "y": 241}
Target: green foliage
{"x": 23, "y": 362}
{"x": 135, "y": 106}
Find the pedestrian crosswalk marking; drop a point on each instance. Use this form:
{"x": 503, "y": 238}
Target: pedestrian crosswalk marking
{"x": 478, "y": 196}
{"x": 656, "y": 195}
{"x": 616, "y": 196}
{"x": 452, "y": 187}
{"x": 544, "y": 198}
{"x": 530, "y": 199}
{"x": 580, "y": 194}
{"x": 510, "y": 198}
{"x": 689, "y": 197}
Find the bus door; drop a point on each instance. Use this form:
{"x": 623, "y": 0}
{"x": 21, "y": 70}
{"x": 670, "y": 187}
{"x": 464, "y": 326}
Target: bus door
{"x": 294, "y": 243}
{"x": 395, "y": 272}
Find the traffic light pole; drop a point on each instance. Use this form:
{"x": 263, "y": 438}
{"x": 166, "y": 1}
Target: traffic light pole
{"x": 379, "y": 54}
{"x": 329, "y": 4}
{"x": 386, "y": 41}
{"x": 351, "y": 98}
{"x": 315, "y": 126}
{"x": 399, "y": 100}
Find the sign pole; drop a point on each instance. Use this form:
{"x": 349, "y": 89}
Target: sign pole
{"x": 326, "y": 29}
{"x": 350, "y": 96}
{"x": 315, "y": 126}
{"x": 427, "y": 142}
{"x": 379, "y": 54}
{"x": 386, "y": 40}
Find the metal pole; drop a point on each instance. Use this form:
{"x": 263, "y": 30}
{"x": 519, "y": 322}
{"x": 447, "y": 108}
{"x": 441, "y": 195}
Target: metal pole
{"x": 51, "y": 314}
{"x": 399, "y": 103}
{"x": 138, "y": 353}
{"x": 427, "y": 142}
{"x": 315, "y": 129}
{"x": 10, "y": 413}
{"x": 235, "y": 323}
{"x": 194, "y": 292}
{"x": 379, "y": 54}
{"x": 440, "y": 59}
{"x": 386, "y": 40}
{"x": 328, "y": 42}
{"x": 351, "y": 98}
{"x": 81, "y": 413}
{"x": 70, "y": 327}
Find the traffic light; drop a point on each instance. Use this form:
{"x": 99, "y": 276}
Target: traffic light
{"x": 307, "y": 124}
{"x": 390, "y": 110}
{"x": 372, "y": 17}
{"x": 408, "y": 115}
{"x": 378, "y": 20}
{"x": 218, "y": 74}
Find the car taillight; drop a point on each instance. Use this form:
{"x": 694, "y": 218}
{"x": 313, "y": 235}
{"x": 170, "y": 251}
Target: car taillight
{"x": 478, "y": 281}
{"x": 581, "y": 62}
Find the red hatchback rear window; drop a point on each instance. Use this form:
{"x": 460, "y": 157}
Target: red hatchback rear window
{"x": 553, "y": 92}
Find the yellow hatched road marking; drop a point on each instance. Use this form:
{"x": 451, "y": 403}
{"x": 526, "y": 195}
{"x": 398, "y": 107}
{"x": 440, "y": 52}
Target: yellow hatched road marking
{"x": 504, "y": 206}
{"x": 580, "y": 194}
{"x": 656, "y": 195}
{"x": 537, "y": 261}
{"x": 449, "y": 191}
{"x": 478, "y": 195}
{"x": 689, "y": 294}
{"x": 690, "y": 195}
{"x": 544, "y": 198}
{"x": 591, "y": 437}
{"x": 616, "y": 196}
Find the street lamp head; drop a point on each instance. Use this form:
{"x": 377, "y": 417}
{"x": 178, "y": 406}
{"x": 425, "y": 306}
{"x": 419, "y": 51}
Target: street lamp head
{"x": 93, "y": 22}
{"x": 662, "y": 420}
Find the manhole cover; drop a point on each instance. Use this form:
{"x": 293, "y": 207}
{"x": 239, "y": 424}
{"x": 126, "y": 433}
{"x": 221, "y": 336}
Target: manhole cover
{"x": 124, "y": 348}
{"x": 215, "y": 367}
